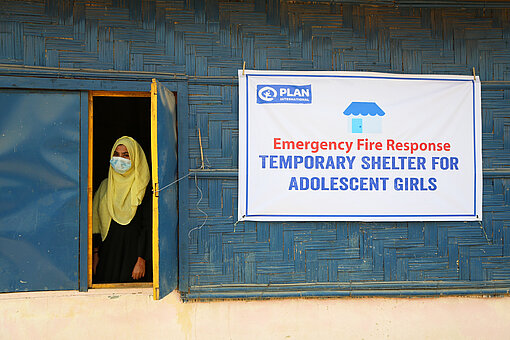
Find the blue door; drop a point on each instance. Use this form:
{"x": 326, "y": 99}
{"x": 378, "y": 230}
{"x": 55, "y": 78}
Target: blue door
{"x": 39, "y": 190}
{"x": 164, "y": 168}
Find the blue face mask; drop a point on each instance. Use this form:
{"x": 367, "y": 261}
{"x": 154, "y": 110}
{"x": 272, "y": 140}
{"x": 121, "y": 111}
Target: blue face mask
{"x": 120, "y": 165}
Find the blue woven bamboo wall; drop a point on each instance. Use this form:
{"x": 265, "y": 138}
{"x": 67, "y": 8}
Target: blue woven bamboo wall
{"x": 207, "y": 41}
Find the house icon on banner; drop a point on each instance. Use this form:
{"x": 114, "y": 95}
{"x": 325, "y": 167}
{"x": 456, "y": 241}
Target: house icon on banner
{"x": 366, "y": 117}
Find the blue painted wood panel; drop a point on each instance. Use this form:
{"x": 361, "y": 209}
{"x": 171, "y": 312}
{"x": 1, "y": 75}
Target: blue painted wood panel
{"x": 167, "y": 201}
{"x": 39, "y": 190}
{"x": 203, "y": 43}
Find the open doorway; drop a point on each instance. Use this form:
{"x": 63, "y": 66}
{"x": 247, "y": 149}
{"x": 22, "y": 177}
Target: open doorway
{"x": 117, "y": 114}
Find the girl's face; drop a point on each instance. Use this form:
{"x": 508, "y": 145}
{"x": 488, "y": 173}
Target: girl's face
{"x": 121, "y": 151}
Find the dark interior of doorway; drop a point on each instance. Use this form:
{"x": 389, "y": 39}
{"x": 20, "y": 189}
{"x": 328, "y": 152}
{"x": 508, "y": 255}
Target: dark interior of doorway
{"x": 115, "y": 117}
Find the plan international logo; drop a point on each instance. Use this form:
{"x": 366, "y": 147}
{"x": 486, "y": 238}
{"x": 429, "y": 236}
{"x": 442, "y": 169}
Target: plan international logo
{"x": 273, "y": 94}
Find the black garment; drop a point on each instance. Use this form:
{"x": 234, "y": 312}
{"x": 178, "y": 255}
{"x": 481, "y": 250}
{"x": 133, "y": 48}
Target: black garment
{"x": 123, "y": 245}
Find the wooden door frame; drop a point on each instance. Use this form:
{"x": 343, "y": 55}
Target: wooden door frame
{"x": 90, "y": 193}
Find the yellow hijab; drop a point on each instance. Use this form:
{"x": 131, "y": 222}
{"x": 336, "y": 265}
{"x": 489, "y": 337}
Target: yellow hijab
{"x": 119, "y": 195}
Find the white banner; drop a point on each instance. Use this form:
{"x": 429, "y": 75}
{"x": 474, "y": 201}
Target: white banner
{"x": 356, "y": 146}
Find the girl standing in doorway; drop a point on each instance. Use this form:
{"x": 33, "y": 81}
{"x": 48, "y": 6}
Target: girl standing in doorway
{"x": 121, "y": 219}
